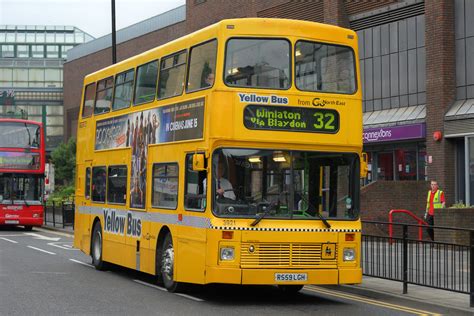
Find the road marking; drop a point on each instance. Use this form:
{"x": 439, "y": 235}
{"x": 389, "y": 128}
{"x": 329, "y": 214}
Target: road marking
{"x": 190, "y": 297}
{"x": 62, "y": 245}
{"x": 320, "y": 290}
{"x": 38, "y": 236}
{"x": 48, "y": 252}
{"x": 50, "y": 272}
{"x": 54, "y": 232}
{"x": 83, "y": 263}
{"x": 150, "y": 285}
{"x": 12, "y": 235}
{"x": 12, "y": 241}
{"x": 163, "y": 289}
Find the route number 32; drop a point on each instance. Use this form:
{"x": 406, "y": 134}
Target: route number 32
{"x": 324, "y": 121}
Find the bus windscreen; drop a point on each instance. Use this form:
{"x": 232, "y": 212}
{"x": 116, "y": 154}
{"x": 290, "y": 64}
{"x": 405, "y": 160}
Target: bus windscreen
{"x": 19, "y": 135}
{"x": 285, "y": 184}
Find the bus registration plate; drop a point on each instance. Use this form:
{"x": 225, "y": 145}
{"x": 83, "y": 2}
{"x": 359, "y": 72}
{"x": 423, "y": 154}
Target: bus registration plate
{"x": 12, "y": 222}
{"x": 291, "y": 277}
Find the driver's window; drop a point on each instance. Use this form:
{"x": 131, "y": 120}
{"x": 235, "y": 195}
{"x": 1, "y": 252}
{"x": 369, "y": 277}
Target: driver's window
{"x": 195, "y": 188}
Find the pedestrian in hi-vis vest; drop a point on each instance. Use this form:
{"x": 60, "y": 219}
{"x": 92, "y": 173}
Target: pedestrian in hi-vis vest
{"x": 434, "y": 200}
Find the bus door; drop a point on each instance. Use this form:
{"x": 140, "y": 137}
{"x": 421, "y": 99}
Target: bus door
{"x": 83, "y": 203}
{"x": 192, "y": 238}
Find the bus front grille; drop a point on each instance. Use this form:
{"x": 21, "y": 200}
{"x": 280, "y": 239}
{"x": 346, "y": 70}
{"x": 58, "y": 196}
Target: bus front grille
{"x": 281, "y": 255}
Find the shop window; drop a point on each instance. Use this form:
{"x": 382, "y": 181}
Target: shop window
{"x": 422, "y": 163}
{"x": 385, "y": 166}
{"x": 405, "y": 164}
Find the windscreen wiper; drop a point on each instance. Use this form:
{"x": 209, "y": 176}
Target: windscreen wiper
{"x": 29, "y": 134}
{"x": 321, "y": 217}
{"x": 266, "y": 210}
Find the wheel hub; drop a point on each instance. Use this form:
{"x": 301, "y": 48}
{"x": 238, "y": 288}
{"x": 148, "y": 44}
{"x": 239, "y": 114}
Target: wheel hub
{"x": 167, "y": 262}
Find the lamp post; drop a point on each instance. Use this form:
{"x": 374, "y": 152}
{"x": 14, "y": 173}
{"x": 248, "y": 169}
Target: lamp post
{"x": 114, "y": 50}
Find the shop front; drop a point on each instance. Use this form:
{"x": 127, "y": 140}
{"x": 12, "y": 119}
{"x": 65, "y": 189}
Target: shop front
{"x": 459, "y": 129}
{"x": 396, "y": 153}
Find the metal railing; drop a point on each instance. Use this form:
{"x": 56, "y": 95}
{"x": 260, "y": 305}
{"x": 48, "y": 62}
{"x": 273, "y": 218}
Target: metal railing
{"x": 403, "y": 257}
{"x": 59, "y": 213}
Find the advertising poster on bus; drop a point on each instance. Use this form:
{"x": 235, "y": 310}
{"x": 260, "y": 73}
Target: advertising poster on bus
{"x": 19, "y": 160}
{"x": 177, "y": 122}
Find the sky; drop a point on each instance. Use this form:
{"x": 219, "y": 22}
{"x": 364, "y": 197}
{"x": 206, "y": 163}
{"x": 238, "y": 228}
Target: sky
{"x": 91, "y": 16}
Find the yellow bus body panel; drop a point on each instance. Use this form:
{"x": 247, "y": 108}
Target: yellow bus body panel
{"x": 196, "y": 247}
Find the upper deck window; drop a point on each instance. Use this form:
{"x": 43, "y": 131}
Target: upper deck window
{"x": 104, "y": 95}
{"x": 88, "y": 106}
{"x": 19, "y": 135}
{"x": 145, "y": 87}
{"x": 202, "y": 66}
{"x": 123, "y": 90}
{"x": 258, "y": 63}
{"x": 324, "y": 68}
{"x": 172, "y": 71}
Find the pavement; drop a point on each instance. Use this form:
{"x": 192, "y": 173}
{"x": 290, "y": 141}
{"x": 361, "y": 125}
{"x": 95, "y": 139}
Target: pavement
{"x": 423, "y": 294}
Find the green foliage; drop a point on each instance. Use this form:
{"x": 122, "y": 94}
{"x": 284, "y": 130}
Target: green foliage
{"x": 460, "y": 205}
{"x": 64, "y": 160}
{"x": 61, "y": 193}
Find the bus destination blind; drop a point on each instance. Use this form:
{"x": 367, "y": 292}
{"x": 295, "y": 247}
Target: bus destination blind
{"x": 296, "y": 119}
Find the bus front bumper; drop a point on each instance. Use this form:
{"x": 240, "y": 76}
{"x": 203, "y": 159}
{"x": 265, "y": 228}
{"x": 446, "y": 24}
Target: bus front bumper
{"x": 274, "y": 276}
{"x": 28, "y": 221}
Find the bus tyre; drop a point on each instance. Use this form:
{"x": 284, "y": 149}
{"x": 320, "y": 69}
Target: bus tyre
{"x": 158, "y": 257}
{"x": 167, "y": 266}
{"x": 96, "y": 248}
{"x": 290, "y": 289}
{"x": 28, "y": 228}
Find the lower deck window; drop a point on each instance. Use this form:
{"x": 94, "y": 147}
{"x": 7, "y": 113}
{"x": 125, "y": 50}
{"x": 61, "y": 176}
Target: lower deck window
{"x": 117, "y": 188}
{"x": 165, "y": 185}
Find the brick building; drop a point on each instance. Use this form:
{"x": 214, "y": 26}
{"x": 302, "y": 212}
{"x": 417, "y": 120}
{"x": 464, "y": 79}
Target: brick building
{"x": 418, "y": 84}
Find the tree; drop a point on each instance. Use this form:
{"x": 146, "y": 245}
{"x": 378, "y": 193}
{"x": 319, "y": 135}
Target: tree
{"x": 64, "y": 160}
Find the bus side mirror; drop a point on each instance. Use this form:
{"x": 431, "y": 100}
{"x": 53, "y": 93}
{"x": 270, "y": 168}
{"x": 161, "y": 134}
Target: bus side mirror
{"x": 198, "y": 162}
{"x": 364, "y": 169}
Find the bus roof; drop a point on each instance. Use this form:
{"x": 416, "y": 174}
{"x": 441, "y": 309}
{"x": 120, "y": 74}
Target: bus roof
{"x": 20, "y": 121}
{"x": 253, "y": 27}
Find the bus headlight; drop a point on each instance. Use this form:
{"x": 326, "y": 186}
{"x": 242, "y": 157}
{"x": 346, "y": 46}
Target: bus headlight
{"x": 227, "y": 253}
{"x": 349, "y": 254}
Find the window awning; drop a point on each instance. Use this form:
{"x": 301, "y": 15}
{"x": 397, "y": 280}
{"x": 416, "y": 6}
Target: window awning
{"x": 461, "y": 109}
{"x": 459, "y": 120}
{"x": 403, "y": 115}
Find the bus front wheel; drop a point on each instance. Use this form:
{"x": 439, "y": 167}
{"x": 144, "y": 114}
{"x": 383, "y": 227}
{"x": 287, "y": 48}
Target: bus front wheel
{"x": 96, "y": 249}
{"x": 167, "y": 265}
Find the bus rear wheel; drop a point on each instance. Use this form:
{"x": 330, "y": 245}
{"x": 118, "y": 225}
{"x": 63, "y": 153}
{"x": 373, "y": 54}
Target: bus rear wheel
{"x": 290, "y": 289}
{"x": 167, "y": 266}
{"x": 96, "y": 248}
{"x": 28, "y": 228}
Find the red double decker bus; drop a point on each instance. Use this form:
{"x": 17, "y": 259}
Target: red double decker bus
{"x": 22, "y": 163}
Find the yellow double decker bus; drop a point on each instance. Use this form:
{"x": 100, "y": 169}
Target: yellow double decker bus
{"x": 231, "y": 155}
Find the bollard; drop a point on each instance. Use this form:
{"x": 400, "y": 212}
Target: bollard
{"x": 54, "y": 214}
{"x": 405, "y": 259}
{"x": 62, "y": 211}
